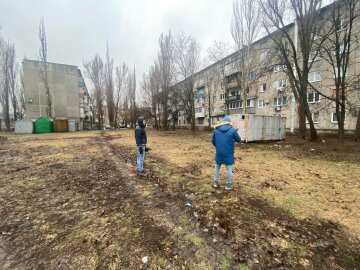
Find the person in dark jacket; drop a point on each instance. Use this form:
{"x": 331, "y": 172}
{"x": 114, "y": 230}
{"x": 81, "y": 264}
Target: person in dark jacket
{"x": 223, "y": 139}
{"x": 141, "y": 141}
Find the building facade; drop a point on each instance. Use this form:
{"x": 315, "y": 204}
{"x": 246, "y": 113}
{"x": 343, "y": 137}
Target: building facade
{"x": 269, "y": 92}
{"x": 68, "y": 93}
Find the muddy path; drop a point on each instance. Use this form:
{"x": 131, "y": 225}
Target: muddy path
{"x": 78, "y": 203}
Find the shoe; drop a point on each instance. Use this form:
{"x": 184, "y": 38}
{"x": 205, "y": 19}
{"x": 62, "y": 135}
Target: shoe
{"x": 216, "y": 185}
{"x": 228, "y": 187}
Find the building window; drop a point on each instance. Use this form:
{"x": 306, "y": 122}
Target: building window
{"x": 278, "y": 68}
{"x": 314, "y": 76}
{"x": 30, "y": 100}
{"x": 200, "y": 121}
{"x": 318, "y": 33}
{"x": 232, "y": 105}
{"x": 262, "y": 88}
{"x": 250, "y": 103}
{"x": 262, "y": 103}
{"x": 313, "y": 97}
{"x": 280, "y": 101}
{"x": 252, "y": 75}
{"x": 340, "y": 74}
{"x": 314, "y": 117}
{"x": 263, "y": 55}
{"x": 314, "y": 56}
{"x": 280, "y": 84}
{"x": 222, "y": 96}
{"x": 222, "y": 108}
{"x": 342, "y": 25}
{"x": 179, "y": 122}
{"x": 333, "y": 118}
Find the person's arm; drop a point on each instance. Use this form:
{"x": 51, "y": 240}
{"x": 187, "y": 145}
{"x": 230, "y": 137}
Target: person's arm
{"x": 236, "y": 136}
{"x": 136, "y": 138}
{"x": 144, "y": 136}
{"x": 213, "y": 138}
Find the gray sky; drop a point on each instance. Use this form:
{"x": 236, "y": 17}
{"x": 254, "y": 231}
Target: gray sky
{"x": 78, "y": 29}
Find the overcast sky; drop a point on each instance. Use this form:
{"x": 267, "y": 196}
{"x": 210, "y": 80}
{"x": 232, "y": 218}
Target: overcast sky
{"x": 78, "y": 29}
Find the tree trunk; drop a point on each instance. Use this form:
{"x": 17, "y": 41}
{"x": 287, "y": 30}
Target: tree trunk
{"x": 357, "y": 130}
{"x": 302, "y": 120}
{"x": 313, "y": 132}
{"x": 340, "y": 114}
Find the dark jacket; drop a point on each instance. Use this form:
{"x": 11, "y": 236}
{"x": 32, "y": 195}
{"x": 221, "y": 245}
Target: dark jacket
{"x": 140, "y": 133}
{"x": 223, "y": 139}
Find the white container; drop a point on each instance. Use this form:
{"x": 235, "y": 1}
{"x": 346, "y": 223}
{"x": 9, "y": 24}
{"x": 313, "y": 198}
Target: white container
{"x": 72, "y": 125}
{"x": 259, "y": 127}
{"x": 24, "y": 126}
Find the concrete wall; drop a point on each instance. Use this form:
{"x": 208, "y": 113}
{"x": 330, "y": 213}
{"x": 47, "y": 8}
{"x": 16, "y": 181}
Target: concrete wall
{"x": 64, "y": 90}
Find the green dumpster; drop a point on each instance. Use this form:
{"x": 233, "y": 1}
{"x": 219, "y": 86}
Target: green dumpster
{"x": 43, "y": 125}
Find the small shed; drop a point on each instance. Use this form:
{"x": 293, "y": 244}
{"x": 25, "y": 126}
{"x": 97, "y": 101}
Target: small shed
{"x": 43, "y": 125}
{"x": 60, "y": 125}
{"x": 260, "y": 127}
{"x": 24, "y": 126}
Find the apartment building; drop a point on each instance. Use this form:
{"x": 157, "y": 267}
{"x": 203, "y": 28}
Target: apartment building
{"x": 69, "y": 96}
{"x": 269, "y": 91}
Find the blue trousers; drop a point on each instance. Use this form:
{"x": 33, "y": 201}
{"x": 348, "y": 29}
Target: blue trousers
{"x": 140, "y": 158}
{"x": 228, "y": 174}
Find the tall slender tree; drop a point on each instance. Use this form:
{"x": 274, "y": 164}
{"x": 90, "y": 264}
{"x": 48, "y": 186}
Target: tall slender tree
{"x": 43, "y": 53}
{"x": 186, "y": 58}
{"x": 166, "y": 59}
{"x": 94, "y": 70}
{"x": 245, "y": 28}
{"x": 109, "y": 86}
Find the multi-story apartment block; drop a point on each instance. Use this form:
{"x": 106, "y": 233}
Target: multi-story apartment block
{"x": 269, "y": 90}
{"x": 68, "y": 93}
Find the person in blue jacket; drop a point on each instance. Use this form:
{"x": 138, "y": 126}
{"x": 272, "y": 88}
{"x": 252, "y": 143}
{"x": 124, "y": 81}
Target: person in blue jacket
{"x": 223, "y": 139}
{"x": 141, "y": 140}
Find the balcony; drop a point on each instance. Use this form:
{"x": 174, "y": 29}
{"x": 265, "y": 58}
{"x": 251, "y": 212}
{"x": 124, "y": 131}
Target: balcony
{"x": 233, "y": 98}
{"x": 233, "y": 84}
{"x": 200, "y": 115}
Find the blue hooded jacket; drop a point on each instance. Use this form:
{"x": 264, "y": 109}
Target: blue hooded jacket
{"x": 223, "y": 139}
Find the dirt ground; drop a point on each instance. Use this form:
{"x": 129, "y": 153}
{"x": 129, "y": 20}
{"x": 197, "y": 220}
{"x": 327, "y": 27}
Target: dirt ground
{"x": 75, "y": 201}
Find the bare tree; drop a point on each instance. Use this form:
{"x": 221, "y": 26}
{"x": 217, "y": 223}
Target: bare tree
{"x": 94, "y": 70}
{"x": 44, "y": 66}
{"x": 211, "y": 77}
{"x": 20, "y": 93}
{"x": 150, "y": 86}
{"x": 109, "y": 87}
{"x": 12, "y": 74}
{"x": 8, "y": 78}
{"x": 121, "y": 73}
{"x": 217, "y": 51}
{"x": 166, "y": 58}
{"x": 295, "y": 52}
{"x": 338, "y": 50}
{"x": 132, "y": 97}
{"x": 4, "y": 83}
{"x": 245, "y": 28}
{"x": 186, "y": 57}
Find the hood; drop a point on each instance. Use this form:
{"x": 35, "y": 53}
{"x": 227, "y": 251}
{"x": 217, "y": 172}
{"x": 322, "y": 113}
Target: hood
{"x": 140, "y": 122}
{"x": 227, "y": 119}
{"x": 224, "y": 128}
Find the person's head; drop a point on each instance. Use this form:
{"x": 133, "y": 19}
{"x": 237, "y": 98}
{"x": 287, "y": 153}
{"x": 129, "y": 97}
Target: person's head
{"x": 141, "y": 122}
{"x": 227, "y": 119}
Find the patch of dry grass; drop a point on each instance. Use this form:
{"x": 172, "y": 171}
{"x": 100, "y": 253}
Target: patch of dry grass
{"x": 306, "y": 180}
